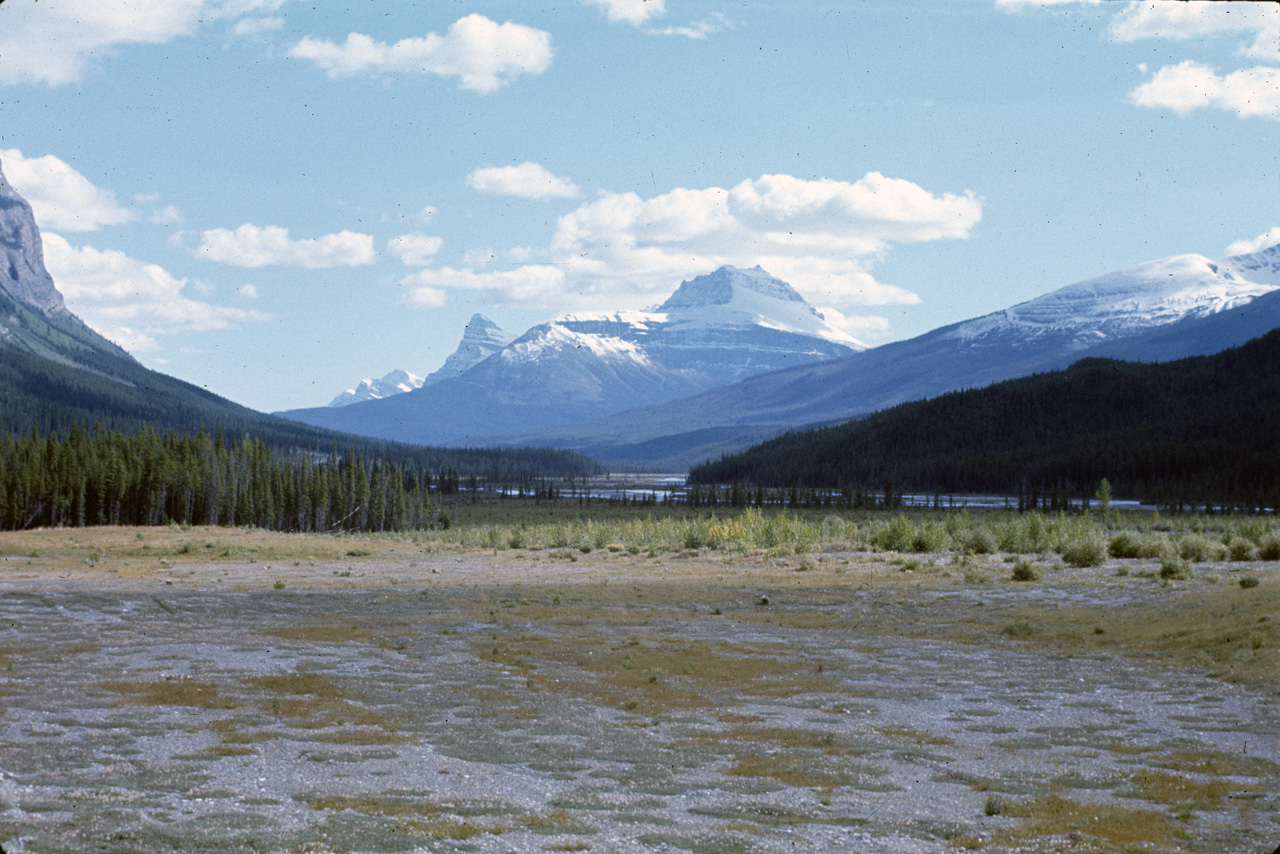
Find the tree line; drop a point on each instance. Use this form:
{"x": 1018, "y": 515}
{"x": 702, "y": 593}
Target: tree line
{"x": 1204, "y": 430}
{"x": 104, "y": 477}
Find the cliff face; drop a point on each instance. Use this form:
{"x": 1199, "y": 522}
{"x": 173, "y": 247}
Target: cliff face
{"x": 22, "y": 273}
{"x": 33, "y": 316}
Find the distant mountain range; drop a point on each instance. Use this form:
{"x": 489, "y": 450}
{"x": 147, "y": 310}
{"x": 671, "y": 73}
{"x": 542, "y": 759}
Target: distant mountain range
{"x": 1199, "y": 429}
{"x": 715, "y": 329}
{"x": 480, "y": 340}
{"x": 1175, "y": 307}
{"x": 56, "y": 373}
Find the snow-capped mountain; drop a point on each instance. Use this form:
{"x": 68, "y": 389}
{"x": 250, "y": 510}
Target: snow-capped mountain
{"x": 725, "y": 326}
{"x": 1184, "y": 305}
{"x": 396, "y": 382}
{"x": 1130, "y": 301}
{"x": 713, "y": 330}
{"x": 480, "y": 339}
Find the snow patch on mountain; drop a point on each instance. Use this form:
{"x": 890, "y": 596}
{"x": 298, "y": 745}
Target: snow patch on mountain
{"x": 396, "y": 382}
{"x": 1132, "y": 300}
{"x": 551, "y": 340}
{"x": 480, "y": 339}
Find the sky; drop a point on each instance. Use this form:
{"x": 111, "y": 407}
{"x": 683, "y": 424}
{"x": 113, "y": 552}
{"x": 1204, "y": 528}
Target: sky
{"x": 274, "y": 199}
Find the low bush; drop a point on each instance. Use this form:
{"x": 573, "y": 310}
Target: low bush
{"x": 1025, "y": 570}
{"x": 1175, "y": 568}
{"x": 1269, "y": 547}
{"x": 1087, "y": 550}
{"x": 1198, "y": 548}
{"x": 1242, "y": 550}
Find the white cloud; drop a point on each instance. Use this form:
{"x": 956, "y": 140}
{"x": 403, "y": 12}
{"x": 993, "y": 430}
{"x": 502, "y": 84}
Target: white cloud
{"x": 55, "y": 41}
{"x": 632, "y": 11}
{"x": 1023, "y": 4}
{"x": 621, "y": 251}
{"x": 254, "y": 246}
{"x": 1199, "y": 19}
{"x": 60, "y": 196}
{"x": 698, "y": 29}
{"x": 528, "y": 181}
{"x": 167, "y": 215}
{"x": 861, "y": 326}
{"x": 130, "y": 301}
{"x": 1263, "y": 241}
{"x": 414, "y": 249}
{"x": 1190, "y": 85}
{"x": 247, "y": 291}
{"x": 481, "y": 53}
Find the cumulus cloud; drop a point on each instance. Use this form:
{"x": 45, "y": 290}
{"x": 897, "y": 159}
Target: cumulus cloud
{"x": 130, "y": 301}
{"x": 414, "y": 249}
{"x": 54, "y": 42}
{"x": 60, "y": 196}
{"x": 1197, "y": 19}
{"x": 1191, "y": 85}
{"x": 634, "y": 12}
{"x": 247, "y": 291}
{"x": 527, "y": 181}
{"x": 1263, "y": 241}
{"x": 255, "y": 246}
{"x": 482, "y": 54}
{"x": 823, "y": 236}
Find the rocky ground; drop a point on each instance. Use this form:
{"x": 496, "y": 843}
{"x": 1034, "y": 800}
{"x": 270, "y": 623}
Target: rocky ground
{"x": 169, "y": 690}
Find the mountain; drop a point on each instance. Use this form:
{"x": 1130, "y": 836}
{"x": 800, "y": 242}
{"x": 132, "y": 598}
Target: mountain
{"x": 1204, "y": 428}
{"x": 713, "y": 330}
{"x": 396, "y": 382}
{"x": 1110, "y": 314}
{"x": 57, "y": 374}
{"x": 480, "y": 339}
{"x": 33, "y": 318}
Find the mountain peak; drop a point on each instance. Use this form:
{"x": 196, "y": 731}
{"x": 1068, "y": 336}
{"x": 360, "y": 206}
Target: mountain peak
{"x": 22, "y": 272}
{"x": 720, "y": 288}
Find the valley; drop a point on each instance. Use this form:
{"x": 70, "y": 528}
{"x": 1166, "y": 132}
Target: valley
{"x": 213, "y": 689}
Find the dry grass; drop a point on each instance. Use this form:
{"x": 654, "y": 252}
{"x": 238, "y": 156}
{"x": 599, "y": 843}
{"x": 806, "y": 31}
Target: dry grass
{"x": 1094, "y": 827}
{"x": 173, "y": 691}
{"x": 650, "y": 674}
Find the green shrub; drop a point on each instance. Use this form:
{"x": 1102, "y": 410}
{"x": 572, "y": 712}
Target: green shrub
{"x": 1198, "y": 548}
{"x": 1086, "y": 550}
{"x": 1175, "y": 568}
{"x": 1025, "y": 570}
{"x": 1269, "y": 547}
{"x": 1130, "y": 544}
{"x": 1242, "y": 549}
{"x": 979, "y": 541}
{"x": 1249, "y": 581}
{"x": 897, "y": 536}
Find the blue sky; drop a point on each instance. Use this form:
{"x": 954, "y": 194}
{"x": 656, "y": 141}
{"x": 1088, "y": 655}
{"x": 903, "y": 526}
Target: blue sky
{"x": 274, "y": 199}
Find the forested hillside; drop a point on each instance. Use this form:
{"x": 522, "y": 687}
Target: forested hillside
{"x": 53, "y": 399}
{"x": 1204, "y": 429}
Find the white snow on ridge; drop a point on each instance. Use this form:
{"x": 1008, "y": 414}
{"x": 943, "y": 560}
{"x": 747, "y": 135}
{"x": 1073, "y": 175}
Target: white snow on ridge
{"x": 396, "y": 382}
{"x": 1136, "y": 298}
{"x": 542, "y": 341}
